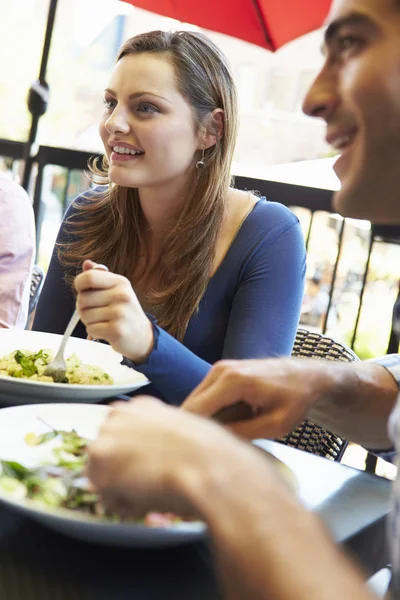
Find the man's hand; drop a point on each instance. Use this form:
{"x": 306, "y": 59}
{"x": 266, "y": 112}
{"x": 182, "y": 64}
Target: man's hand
{"x": 280, "y": 392}
{"x": 150, "y": 456}
{"x": 147, "y": 454}
{"x": 353, "y": 400}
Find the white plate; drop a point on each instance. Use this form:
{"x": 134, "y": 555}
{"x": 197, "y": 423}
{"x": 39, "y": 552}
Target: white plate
{"x": 23, "y": 391}
{"x": 17, "y": 421}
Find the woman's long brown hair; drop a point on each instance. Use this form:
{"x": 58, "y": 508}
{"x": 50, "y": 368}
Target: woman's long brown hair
{"x": 108, "y": 226}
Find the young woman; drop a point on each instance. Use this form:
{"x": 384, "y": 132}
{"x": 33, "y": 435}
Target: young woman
{"x": 198, "y": 270}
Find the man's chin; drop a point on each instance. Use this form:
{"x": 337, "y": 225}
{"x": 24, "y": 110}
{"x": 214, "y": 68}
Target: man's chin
{"x": 340, "y": 203}
{"x": 366, "y": 202}
{"x": 356, "y": 200}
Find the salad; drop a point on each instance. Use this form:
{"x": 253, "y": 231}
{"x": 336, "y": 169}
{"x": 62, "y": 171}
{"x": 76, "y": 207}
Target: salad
{"x": 24, "y": 364}
{"x": 60, "y": 481}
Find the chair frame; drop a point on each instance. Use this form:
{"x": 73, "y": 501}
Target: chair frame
{"x": 37, "y": 281}
{"x": 309, "y": 436}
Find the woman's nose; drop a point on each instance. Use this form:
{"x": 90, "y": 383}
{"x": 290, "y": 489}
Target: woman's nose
{"x": 117, "y": 122}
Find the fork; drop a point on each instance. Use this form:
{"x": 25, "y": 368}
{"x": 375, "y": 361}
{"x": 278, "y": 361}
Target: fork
{"x": 57, "y": 368}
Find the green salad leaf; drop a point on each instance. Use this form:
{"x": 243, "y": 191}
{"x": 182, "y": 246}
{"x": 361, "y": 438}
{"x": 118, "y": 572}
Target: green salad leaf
{"x": 59, "y": 483}
{"x": 12, "y": 468}
{"x": 46, "y": 437}
{"x": 27, "y": 361}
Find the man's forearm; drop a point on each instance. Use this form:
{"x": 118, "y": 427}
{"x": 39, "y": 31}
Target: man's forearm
{"x": 266, "y": 545}
{"x": 356, "y": 403}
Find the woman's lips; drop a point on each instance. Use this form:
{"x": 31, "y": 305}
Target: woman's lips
{"x": 117, "y": 157}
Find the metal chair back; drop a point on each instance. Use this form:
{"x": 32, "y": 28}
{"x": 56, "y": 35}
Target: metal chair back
{"x": 36, "y": 287}
{"x": 309, "y": 436}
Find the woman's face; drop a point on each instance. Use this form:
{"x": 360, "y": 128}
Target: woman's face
{"x": 148, "y": 128}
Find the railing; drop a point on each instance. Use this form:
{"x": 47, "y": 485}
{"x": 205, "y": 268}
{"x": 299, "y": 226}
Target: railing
{"x": 312, "y": 199}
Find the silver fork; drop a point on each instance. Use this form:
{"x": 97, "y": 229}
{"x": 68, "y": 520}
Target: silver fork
{"x": 57, "y": 368}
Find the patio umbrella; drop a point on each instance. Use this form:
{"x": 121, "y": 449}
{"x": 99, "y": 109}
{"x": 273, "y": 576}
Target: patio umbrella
{"x": 267, "y": 23}
{"x": 38, "y": 96}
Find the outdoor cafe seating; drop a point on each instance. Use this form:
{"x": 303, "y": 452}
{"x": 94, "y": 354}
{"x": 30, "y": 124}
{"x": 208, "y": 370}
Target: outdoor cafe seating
{"x": 46, "y": 555}
{"x": 352, "y": 503}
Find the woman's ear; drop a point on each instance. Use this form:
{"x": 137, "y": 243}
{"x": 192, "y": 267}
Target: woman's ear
{"x": 217, "y": 123}
{"x": 214, "y": 128}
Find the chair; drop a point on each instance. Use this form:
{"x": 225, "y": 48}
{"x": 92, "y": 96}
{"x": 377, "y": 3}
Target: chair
{"x": 309, "y": 436}
{"x": 36, "y": 286}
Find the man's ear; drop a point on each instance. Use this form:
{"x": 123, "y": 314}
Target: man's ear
{"x": 214, "y": 128}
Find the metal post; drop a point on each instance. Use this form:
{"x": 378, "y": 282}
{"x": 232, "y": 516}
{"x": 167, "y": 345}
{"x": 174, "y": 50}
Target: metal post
{"x": 38, "y": 205}
{"x": 38, "y": 96}
{"x": 340, "y": 240}
{"x": 66, "y": 189}
{"x": 371, "y": 243}
{"x": 309, "y": 230}
{"x": 393, "y": 346}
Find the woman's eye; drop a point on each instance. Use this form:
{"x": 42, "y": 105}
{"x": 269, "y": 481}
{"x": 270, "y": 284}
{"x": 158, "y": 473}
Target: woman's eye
{"x": 145, "y": 107}
{"x": 109, "y": 103}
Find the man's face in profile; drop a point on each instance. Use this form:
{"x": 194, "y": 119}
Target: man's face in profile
{"x": 357, "y": 93}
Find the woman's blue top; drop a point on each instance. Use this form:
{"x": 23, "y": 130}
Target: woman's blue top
{"x": 250, "y": 308}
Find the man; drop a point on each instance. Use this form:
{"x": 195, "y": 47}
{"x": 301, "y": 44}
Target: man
{"x": 149, "y": 455}
{"x": 17, "y": 248}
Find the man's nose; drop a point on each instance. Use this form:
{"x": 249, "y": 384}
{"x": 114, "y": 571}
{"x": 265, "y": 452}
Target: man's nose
{"x": 322, "y": 98}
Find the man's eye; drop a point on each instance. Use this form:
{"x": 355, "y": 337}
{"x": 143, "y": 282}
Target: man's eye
{"x": 347, "y": 45}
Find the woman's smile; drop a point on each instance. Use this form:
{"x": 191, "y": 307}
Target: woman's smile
{"x": 123, "y": 155}
{"x": 122, "y": 152}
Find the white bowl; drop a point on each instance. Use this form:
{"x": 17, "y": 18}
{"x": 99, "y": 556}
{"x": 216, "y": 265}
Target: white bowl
{"x": 25, "y": 391}
{"x": 86, "y": 419}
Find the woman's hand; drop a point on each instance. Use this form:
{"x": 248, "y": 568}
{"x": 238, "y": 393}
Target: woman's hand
{"x": 110, "y": 310}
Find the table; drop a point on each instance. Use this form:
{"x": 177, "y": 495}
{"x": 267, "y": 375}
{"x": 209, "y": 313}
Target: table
{"x": 351, "y": 503}
{"x": 38, "y": 564}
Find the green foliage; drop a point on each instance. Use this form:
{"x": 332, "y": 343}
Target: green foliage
{"x": 367, "y": 345}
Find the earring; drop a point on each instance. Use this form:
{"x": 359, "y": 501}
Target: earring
{"x": 201, "y": 163}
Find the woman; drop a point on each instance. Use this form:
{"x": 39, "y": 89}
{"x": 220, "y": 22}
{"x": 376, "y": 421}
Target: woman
{"x": 198, "y": 270}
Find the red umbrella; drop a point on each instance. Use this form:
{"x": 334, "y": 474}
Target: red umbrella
{"x": 267, "y": 23}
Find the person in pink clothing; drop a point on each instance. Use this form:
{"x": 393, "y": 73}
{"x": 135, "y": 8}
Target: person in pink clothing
{"x": 17, "y": 251}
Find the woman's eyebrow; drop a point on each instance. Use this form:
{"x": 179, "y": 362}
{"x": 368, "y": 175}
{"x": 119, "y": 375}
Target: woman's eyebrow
{"x": 139, "y": 94}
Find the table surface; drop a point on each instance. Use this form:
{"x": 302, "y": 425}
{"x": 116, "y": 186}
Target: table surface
{"x": 346, "y": 499}
{"x": 38, "y": 564}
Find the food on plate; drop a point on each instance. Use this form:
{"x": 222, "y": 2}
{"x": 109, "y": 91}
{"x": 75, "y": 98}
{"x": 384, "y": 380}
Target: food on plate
{"x": 25, "y": 364}
{"x": 60, "y": 482}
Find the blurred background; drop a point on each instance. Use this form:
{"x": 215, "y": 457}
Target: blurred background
{"x": 276, "y": 142}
